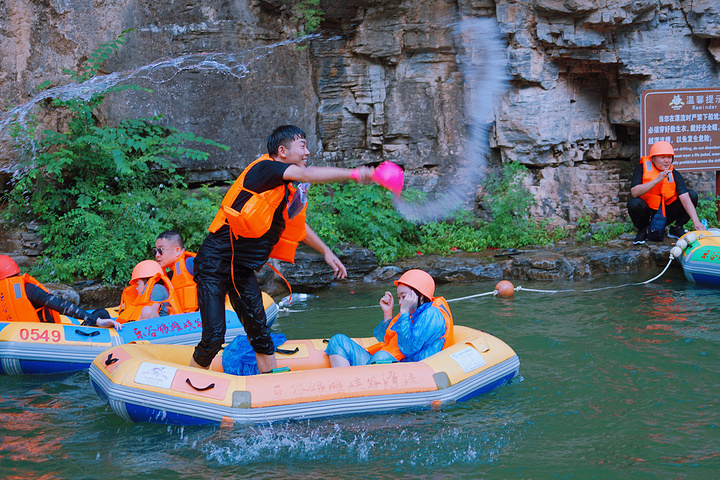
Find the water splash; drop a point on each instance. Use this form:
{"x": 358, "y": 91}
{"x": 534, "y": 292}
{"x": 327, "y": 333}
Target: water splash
{"x": 404, "y": 440}
{"x": 162, "y": 71}
{"x": 483, "y": 65}
{"x": 481, "y": 60}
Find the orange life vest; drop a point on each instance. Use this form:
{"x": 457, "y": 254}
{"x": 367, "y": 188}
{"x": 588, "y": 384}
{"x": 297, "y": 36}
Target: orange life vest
{"x": 255, "y": 217}
{"x": 390, "y": 342}
{"x": 15, "y": 306}
{"x": 184, "y": 284}
{"x": 131, "y": 303}
{"x": 664, "y": 193}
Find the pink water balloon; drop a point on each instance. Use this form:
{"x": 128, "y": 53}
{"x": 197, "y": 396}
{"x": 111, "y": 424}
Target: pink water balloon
{"x": 388, "y": 175}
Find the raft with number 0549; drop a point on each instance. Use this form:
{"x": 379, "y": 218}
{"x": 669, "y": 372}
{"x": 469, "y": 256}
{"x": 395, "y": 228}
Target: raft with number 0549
{"x": 699, "y": 254}
{"x": 34, "y": 347}
{"x": 153, "y": 383}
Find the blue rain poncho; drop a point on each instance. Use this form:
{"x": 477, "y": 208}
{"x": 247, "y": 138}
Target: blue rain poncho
{"x": 239, "y": 358}
{"x": 419, "y": 336}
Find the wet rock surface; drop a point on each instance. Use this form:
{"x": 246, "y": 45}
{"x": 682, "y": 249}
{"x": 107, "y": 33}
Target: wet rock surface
{"x": 310, "y": 273}
{"x": 384, "y": 82}
{"x": 559, "y": 262}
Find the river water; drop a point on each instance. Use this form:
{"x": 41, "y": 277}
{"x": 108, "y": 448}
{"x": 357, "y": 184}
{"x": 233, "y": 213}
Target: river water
{"x": 619, "y": 383}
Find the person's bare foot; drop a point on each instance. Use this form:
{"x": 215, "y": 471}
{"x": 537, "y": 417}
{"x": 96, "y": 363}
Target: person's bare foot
{"x": 193, "y": 363}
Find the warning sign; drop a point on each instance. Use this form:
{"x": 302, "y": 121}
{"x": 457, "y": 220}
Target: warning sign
{"x": 687, "y": 118}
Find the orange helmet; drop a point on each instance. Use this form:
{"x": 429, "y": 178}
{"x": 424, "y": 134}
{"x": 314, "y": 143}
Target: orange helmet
{"x": 8, "y": 267}
{"x": 419, "y": 280}
{"x": 661, "y": 148}
{"x": 145, "y": 269}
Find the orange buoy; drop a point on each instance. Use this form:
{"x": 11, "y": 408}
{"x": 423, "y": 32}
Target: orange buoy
{"x": 505, "y": 289}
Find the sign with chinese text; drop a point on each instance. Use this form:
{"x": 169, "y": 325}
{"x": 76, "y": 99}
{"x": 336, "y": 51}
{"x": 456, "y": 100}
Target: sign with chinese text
{"x": 689, "y": 119}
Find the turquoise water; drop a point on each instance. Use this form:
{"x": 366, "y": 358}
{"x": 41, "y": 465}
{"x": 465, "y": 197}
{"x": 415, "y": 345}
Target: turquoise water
{"x": 619, "y": 383}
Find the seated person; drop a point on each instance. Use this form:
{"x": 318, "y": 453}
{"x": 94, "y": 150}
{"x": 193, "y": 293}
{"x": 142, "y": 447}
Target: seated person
{"x": 422, "y": 328}
{"x": 655, "y": 185}
{"x": 24, "y": 299}
{"x": 170, "y": 253}
{"x": 149, "y": 294}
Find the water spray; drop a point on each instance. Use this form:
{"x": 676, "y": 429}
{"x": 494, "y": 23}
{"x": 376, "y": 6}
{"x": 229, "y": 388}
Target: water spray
{"x": 159, "y": 72}
{"x": 482, "y": 60}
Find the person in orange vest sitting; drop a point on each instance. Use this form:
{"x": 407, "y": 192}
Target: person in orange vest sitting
{"x": 660, "y": 197}
{"x": 24, "y": 299}
{"x": 150, "y": 294}
{"x": 422, "y": 328}
{"x": 178, "y": 264}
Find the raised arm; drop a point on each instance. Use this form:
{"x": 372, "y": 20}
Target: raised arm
{"x": 326, "y": 174}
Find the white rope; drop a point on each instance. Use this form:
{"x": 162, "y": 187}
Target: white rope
{"x": 517, "y": 289}
{"x": 494, "y": 292}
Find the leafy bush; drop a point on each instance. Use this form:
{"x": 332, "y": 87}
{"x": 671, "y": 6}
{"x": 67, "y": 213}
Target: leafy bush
{"x": 101, "y": 194}
{"x": 107, "y": 241}
{"x": 364, "y": 215}
{"x": 307, "y": 16}
{"x": 361, "y": 214}
{"x": 706, "y": 209}
{"x": 510, "y": 203}
{"x": 600, "y": 232}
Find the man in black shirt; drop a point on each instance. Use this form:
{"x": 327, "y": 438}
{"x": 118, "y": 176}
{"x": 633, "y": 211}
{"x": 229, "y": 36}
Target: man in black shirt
{"x": 253, "y": 224}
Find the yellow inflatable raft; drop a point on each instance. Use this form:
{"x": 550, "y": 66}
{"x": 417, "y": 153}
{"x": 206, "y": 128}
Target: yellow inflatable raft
{"x": 152, "y": 383}
{"x": 34, "y": 347}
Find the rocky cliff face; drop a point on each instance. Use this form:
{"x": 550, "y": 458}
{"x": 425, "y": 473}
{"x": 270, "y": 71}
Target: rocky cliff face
{"x": 384, "y": 81}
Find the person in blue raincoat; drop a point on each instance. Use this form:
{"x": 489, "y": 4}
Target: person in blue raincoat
{"x": 422, "y": 328}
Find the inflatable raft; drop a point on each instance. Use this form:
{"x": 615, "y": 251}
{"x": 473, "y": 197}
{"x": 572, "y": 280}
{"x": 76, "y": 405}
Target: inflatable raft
{"x": 34, "y": 347}
{"x": 699, "y": 254}
{"x": 152, "y": 383}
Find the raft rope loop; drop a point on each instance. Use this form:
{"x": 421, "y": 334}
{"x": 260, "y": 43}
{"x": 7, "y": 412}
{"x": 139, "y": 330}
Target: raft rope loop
{"x": 520, "y": 287}
{"x": 517, "y": 289}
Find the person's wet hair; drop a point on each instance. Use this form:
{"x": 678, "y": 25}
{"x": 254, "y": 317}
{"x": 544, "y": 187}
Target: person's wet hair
{"x": 283, "y": 135}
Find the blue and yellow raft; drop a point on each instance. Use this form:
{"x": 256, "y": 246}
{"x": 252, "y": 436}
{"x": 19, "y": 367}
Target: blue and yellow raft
{"x": 153, "y": 383}
{"x": 699, "y": 254}
{"x": 36, "y": 348}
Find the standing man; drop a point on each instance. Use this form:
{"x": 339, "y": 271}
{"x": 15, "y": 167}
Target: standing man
{"x": 261, "y": 216}
{"x": 656, "y": 186}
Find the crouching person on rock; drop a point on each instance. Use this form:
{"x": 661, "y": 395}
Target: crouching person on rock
{"x": 660, "y": 197}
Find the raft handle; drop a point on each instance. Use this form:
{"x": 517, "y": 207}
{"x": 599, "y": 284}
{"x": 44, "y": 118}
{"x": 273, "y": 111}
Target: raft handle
{"x": 212, "y": 385}
{"x": 287, "y": 352}
{"x": 110, "y": 360}
{"x": 87, "y": 334}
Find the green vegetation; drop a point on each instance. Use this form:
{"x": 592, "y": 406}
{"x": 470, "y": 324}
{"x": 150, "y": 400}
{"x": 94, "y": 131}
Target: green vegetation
{"x": 91, "y": 66}
{"x": 364, "y": 215}
{"x": 101, "y": 194}
{"x": 306, "y": 16}
{"x": 600, "y": 232}
{"x": 706, "y": 209}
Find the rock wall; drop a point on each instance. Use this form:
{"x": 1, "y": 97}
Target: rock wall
{"x": 383, "y": 81}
